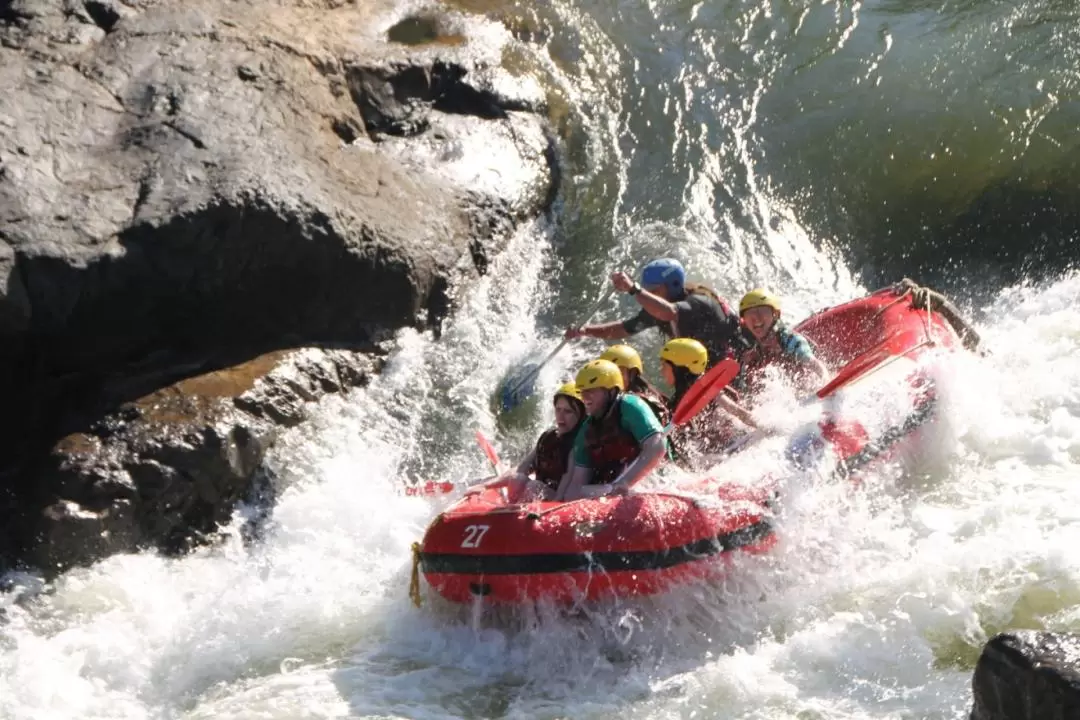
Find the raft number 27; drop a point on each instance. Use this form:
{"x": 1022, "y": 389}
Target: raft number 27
{"x": 473, "y": 535}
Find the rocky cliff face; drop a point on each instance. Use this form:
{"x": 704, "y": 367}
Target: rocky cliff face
{"x": 187, "y": 185}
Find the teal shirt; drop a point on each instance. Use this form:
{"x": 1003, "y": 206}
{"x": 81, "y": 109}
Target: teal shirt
{"x": 635, "y": 417}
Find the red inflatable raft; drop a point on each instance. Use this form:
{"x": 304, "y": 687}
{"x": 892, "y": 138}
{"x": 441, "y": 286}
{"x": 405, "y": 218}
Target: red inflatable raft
{"x": 645, "y": 542}
{"x": 637, "y": 544}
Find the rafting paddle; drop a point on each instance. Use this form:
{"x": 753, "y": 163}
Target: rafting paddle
{"x": 522, "y": 385}
{"x": 703, "y": 392}
{"x": 489, "y": 450}
{"x": 870, "y": 361}
{"x": 445, "y": 488}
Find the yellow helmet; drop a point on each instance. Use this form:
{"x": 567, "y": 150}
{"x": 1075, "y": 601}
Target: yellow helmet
{"x": 758, "y": 297}
{"x": 599, "y": 374}
{"x": 686, "y": 353}
{"x": 624, "y": 356}
{"x": 569, "y": 390}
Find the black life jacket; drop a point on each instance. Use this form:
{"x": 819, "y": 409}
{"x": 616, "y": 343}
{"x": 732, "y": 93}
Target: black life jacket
{"x": 708, "y": 433}
{"x": 732, "y": 338}
{"x": 700, "y": 289}
{"x": 553, "y": 456}
{"x": 610, "y": 447}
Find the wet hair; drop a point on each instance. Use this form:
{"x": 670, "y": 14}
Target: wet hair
{"x": 683, "y": 380}
{"x": 639, "y": 384}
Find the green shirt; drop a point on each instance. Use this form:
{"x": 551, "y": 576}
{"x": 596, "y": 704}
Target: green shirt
{"x": 635, "y": 417}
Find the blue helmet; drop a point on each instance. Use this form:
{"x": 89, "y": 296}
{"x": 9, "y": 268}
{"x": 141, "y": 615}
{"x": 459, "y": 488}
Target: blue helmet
{"x": 667, "y": 272}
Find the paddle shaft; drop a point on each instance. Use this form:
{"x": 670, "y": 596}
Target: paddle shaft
{"x": 862, "y": 366}
{"x": 489, "y": 451}
{"x": 536, "y": 371}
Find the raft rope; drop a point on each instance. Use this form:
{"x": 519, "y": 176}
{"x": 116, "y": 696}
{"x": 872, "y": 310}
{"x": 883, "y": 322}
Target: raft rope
{"x": 908, "y": 294}
{"x": 899, "y": 298}
{"x": 414, "y": 577}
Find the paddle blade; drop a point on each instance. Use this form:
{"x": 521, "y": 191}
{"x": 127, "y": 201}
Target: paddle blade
{"x": 705, "y": 390}
{"x": 489, "y": 450}
{"x": 899, "y": 344}
{"x": 853, "y": 371}
{"x": 519, "y": 387}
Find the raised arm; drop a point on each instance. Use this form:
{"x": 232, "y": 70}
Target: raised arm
{"x": 605, "y": 331}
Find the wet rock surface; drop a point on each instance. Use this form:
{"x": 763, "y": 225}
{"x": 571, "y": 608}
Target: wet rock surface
{"x": 187, "y": 180}
{"x": 168, "y": 467}
{"x": 1028, "y": 675}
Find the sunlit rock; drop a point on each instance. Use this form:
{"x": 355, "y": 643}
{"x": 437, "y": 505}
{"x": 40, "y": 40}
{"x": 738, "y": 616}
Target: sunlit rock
{"x": 182, "y": 180}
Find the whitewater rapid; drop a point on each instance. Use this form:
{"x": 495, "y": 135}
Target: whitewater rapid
{"x": 876, "y": 602}
{"x": 875, "y": 605}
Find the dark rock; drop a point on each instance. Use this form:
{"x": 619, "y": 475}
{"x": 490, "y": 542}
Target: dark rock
{"x": 190, "y": 179}
{"x": 104, "y": 13}
{"x": 1028, "y": 675}
{"x": 169, "y": 467}
{"x": 424, "y": 30}
{"x": 245, "y": 72}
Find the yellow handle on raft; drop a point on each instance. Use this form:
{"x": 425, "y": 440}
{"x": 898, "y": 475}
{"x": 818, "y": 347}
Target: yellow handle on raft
{"x": 414, "y": 578}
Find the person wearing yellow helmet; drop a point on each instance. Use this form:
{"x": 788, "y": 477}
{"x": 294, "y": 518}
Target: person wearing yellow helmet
{"x": 682, "y": 362}
{"x": 619, "y": 443}
{"x": 629, "y": 363}
{"x": 549, "y": 460}
{"x": 772, "y": 343}
{"x": 676, "y": 307}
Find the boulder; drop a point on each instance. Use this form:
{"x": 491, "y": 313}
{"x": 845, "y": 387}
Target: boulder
{"x": 191, "y": 178}
{"x": 1028, "y": 675}
{"x": 166, "y": 469}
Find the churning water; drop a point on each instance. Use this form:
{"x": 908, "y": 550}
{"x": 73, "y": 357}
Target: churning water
{"x": 752, "y": 140}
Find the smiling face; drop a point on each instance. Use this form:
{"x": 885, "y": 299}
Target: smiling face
{"x": 596, "y": 400}
{"x": 760, "y": 321}
{"x": 566, "y": 415}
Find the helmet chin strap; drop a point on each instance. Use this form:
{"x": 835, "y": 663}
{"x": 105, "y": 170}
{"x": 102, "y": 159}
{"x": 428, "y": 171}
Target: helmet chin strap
{"x": 612, "y": 395}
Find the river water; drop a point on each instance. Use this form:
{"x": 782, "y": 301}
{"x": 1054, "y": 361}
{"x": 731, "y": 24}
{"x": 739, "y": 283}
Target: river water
{"x": 814, "y": 148}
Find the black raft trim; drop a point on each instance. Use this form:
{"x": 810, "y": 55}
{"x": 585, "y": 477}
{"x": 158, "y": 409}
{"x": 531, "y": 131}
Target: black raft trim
{"x": 922, "y": 414}
{"x": 592, "y": 562}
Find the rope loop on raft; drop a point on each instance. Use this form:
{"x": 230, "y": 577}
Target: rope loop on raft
{"x": 925, "y": 298}
{"x": 414, "y": 577}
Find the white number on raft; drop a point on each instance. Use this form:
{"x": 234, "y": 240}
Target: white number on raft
{"x": 473, "y": 535}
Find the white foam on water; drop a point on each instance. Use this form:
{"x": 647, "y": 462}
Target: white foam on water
{"x": 874, "y": 604}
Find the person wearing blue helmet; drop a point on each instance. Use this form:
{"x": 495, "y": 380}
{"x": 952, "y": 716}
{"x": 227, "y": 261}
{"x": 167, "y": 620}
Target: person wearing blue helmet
{"x": 677, "y": 308}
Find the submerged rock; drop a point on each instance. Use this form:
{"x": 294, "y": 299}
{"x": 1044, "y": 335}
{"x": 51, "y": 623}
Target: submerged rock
{"x": 187, "y": 178}
{"x": 1028, "y": 675}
